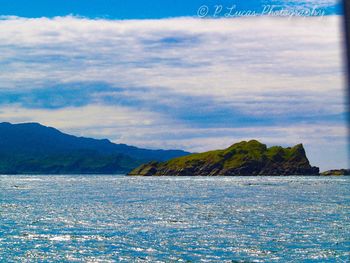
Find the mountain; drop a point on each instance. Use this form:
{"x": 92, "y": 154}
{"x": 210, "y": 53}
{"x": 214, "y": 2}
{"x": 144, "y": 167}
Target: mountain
{"x": 34, "y": 148}
{"x": 337, "y": 172}
{"x": 244, "y": 158}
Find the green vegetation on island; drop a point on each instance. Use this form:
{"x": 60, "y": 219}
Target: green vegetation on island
{"x": 241, "y": 159}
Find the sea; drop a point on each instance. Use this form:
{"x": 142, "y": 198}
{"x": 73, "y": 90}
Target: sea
{"x": 109, "y": 218}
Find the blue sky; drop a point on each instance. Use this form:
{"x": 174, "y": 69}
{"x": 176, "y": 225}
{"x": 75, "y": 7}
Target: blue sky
{"x": 155, "y": 75}
{"x": 126, "y": 9}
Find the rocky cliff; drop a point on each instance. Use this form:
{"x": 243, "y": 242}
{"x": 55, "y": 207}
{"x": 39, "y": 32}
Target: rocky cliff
{"x": 241, "y": 159}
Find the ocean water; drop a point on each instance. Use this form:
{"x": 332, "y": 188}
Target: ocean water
{"x": 134, "y": 219}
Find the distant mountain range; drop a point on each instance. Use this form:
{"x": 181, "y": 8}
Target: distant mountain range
{"x": 31, "y": 148}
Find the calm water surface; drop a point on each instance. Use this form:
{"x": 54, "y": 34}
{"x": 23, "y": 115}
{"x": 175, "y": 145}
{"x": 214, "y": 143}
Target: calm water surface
{"x": 128, "y": 219}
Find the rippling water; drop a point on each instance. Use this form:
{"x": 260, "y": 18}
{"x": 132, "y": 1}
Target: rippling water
{"x": 129, "y": 219}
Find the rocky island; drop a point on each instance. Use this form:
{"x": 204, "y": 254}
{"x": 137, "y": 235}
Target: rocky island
{"x": 240, "y": 159}
{"x": 339, "y": 172}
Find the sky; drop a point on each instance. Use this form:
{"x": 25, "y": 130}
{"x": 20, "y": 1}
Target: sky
{"x": 145, "y": 9}
{"x": 179, "y": 75}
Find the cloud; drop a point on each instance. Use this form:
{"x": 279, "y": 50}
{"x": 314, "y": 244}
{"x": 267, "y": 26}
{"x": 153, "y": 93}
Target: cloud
{"x": 79, "y": 119}
{"x": 227, "y": 60}
{"x": 151, "y": 81}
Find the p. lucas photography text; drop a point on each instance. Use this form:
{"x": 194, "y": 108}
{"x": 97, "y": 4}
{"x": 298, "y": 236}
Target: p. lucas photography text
{"x": 218, "y": 11}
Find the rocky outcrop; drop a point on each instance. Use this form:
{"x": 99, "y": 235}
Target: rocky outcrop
{"x": 241, "y": 159}
{"x": 337, "y": 172}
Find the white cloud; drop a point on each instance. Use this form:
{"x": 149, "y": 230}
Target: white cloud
{"x": 84, "y": 118}
{"x": 259, "y": 66}
{"x": 222, "y": 57}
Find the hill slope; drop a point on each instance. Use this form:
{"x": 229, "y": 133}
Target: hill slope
{"x": 244, "y": 158}
{"x": 34, "y": 148}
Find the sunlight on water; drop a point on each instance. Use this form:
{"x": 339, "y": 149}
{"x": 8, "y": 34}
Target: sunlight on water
{"x": 129, "y": 219}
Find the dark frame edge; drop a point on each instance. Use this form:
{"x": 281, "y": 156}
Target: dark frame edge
{"x": 346, "y": 8}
